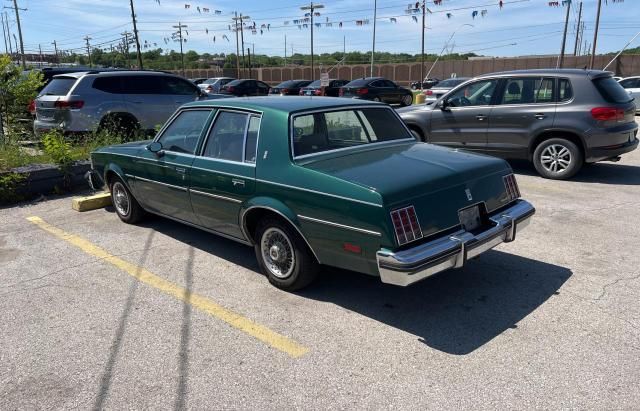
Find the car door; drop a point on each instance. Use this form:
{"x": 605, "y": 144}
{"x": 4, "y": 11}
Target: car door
{"x": 526, "y": 106}
{"x": 632, "y": 86}
{"x": 223, "y": 175}
{"x": 144, "y": 99}
{"x": 460, "y": 118}
{"x": 396, "y": 92}
{"x": 163, "y": 178}
{"x": 262, "y": 89}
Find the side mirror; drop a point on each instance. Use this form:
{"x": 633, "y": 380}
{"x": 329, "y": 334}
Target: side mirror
{"x": 156, "y": 148}
{"x": 444, "y": 104}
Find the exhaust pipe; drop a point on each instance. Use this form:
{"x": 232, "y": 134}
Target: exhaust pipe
{"x": 614, "y": 159}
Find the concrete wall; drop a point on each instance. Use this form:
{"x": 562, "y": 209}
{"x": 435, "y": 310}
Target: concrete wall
{"x": 404, "y": 74}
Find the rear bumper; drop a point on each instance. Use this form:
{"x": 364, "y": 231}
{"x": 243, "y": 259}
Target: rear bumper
{"x": 452, "y": 251}
{"x": 607, "y": 152}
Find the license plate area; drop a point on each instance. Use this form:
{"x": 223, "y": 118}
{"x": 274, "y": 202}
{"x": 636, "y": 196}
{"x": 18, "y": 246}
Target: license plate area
{"x": 474, "y": 218}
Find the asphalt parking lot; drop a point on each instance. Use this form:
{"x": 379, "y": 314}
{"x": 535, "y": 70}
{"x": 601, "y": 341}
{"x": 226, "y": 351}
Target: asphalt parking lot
{"x": 95, "y": 313}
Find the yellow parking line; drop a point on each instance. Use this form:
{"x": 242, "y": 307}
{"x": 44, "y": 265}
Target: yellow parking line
{"x": 235, "y": 320}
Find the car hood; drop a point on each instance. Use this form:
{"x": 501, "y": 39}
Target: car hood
{"x": 124, "y": 148}
{"x": 437, "y": 181}
{"x": 415, "y": 108}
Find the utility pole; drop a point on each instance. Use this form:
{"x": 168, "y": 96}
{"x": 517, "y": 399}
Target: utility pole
{"x": 17, "y": 10}
{"x": 55, "y": 48}
{"x": 373, "y": 48}
{"x": 177, "y": 36}
{"x": 575, "y": 48}
{"x": 312, "y": 7}
{"x": 249, "y": 55}
{"x": 6, "y": 19}
{"x": 595, "y": 36}
{"x": 40, "y": 53}
{"x": 235, "y": 21}
{"x": 564, "y": 36}
{"x": 125, "y": 47}
{"x": 239, "y": 22}
{"x": 285, "y": 50}
{"x": 6, "y": 48}
{"x": 87, "y": 38}
{"x": 135, "y": 33}
{"x": 424, "y": 11}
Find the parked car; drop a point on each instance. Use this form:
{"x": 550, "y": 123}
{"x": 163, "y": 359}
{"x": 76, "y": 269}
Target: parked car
{"x": 558, "y": 119}
{"x": 214, "y": 85}
{"x": 197, "y": 81}
{"x": 632, "y": 85}
{"x": 426, "y": 83}
{"x": 306, "y": 181}
{"x": 377, "y": 89}
{"x": 121, "y": 100}
{"x": 443, "y": 88}
{"x": 289, "y": 87}
{"x": 315, "y": 89}
{"x": 245, "y": 87}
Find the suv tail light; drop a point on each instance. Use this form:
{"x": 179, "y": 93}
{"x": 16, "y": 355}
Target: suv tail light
{"x": 406, "y": 225}
{"x": 341, "y": 92}
{"x": 511, "y": 185}
{"x": 63, "y": 104}
{"x": 362, "y": 91}
{"x": 32, "y": 107}
{"x": 607, "y": 113}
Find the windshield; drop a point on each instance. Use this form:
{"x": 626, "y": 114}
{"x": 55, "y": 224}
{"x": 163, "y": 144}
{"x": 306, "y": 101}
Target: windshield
{"x": 332, "y": 130}
{"x": 611, "y": 90}
{"x": 358, "y": 83}
{"x": 59, "y": 86}
{"x": 452, "y": 82}
{"x": 316, "y": 83}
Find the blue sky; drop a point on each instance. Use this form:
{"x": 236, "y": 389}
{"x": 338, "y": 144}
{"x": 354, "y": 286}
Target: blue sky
{"x": 535, "y": 27}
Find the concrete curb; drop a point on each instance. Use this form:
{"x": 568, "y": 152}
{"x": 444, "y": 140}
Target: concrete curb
{"x": 92, "y": 202}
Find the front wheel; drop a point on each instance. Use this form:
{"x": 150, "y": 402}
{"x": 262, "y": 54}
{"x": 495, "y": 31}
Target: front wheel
{"x": 283, "y": 255}
{"x": 406, "y": 101}
{"x": 557, "y": 159}
{"x": 126, "y": 206}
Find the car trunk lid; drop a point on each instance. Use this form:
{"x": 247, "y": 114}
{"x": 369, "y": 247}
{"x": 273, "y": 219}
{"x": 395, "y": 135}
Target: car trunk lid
{"x": 437, "y": 181}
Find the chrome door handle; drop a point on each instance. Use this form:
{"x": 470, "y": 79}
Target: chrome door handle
{"x": 540, "y": 116}
{"x": 481, "y": 117}
{"x": 180, "y": 170}
{"x": 237, "y": 182}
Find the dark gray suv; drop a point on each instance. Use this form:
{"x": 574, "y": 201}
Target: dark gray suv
{"x": 558, "y": 119}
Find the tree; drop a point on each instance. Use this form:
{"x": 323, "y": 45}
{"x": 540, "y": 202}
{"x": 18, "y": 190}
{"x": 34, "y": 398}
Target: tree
{"x": 17, "y": 89}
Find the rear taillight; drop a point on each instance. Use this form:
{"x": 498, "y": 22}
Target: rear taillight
{"x": 32, "y": 107}
{"x": 284, "y": 91}
{"x": 318, "y": 92}
{"x": 341, "y": 92}
{"x": 270, "y": 90}
{"x": 231, "y": 89}
{"x": 511, "y": 185}
{"x": 428, "y": 92}
{"x": 301, "y": 92}
{"x": 362, "y": 91}
{"x": 63, "y": 104}
{"x": 406, "y": 225}
{"x": 209, "y": 88}
{"x": 607, "y": 113}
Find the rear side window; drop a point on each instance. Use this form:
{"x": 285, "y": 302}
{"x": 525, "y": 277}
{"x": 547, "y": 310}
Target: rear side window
{"x": 565, "y": 92}
{"x": 142, "y": 85}
{"x": 109, "y": 84}
{"x": 59, "y": 86}
{"x": 611, "y": 90}
{"x": 528, "y": 91}
{"x": 177, "y": 86}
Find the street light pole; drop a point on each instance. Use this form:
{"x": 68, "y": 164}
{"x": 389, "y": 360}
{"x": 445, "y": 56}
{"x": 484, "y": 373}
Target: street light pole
{"x": 311, "y": 7}
{"x": 575, "y": 48}
{"x": 424, "y": 10}
{"x": 373, "y": 48}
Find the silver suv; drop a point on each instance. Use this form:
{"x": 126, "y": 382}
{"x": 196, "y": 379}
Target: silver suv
{"x": 558, "y": 119}
{"x": 123, "y": 100}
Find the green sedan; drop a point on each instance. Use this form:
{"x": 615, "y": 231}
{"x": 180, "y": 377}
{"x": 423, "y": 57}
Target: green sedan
{"x": 317, "y": 181}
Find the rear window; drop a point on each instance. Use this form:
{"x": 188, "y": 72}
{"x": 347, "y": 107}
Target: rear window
{"x": 333, "y": 130}
{"x": 59, "y": 86}
{"x": 450, "y": 82}
{"x": 611, "y": 90}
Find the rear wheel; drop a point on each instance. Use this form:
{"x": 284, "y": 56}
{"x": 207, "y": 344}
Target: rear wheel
{"x": 125, "y": 205}
{"x": 557, "y": 159}
{"x": 283, "y": 255}
{"x": 377, "y": 99}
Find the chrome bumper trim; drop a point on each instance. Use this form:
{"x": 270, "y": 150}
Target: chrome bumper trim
{"x": 452, "y": 251}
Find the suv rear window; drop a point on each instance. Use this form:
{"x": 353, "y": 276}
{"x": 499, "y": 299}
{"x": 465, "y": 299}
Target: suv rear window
{"x": 59, "y": 86}
{"x": 611, "y": 90}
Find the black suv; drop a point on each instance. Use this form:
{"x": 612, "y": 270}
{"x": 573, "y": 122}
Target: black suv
{"x": 558, "y": 119}
{"x": 377, "y": 89}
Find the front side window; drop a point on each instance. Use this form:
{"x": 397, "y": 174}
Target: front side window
{"x": 182, "y": 135}
{"x": 479, "y": 93}
{"x": 528, "y": 91}
{"x": 332, "y": 130}
{"x": 226, "y": 139}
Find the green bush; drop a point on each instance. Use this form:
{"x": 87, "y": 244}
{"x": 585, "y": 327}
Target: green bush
{"x": 8, "y": 184}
